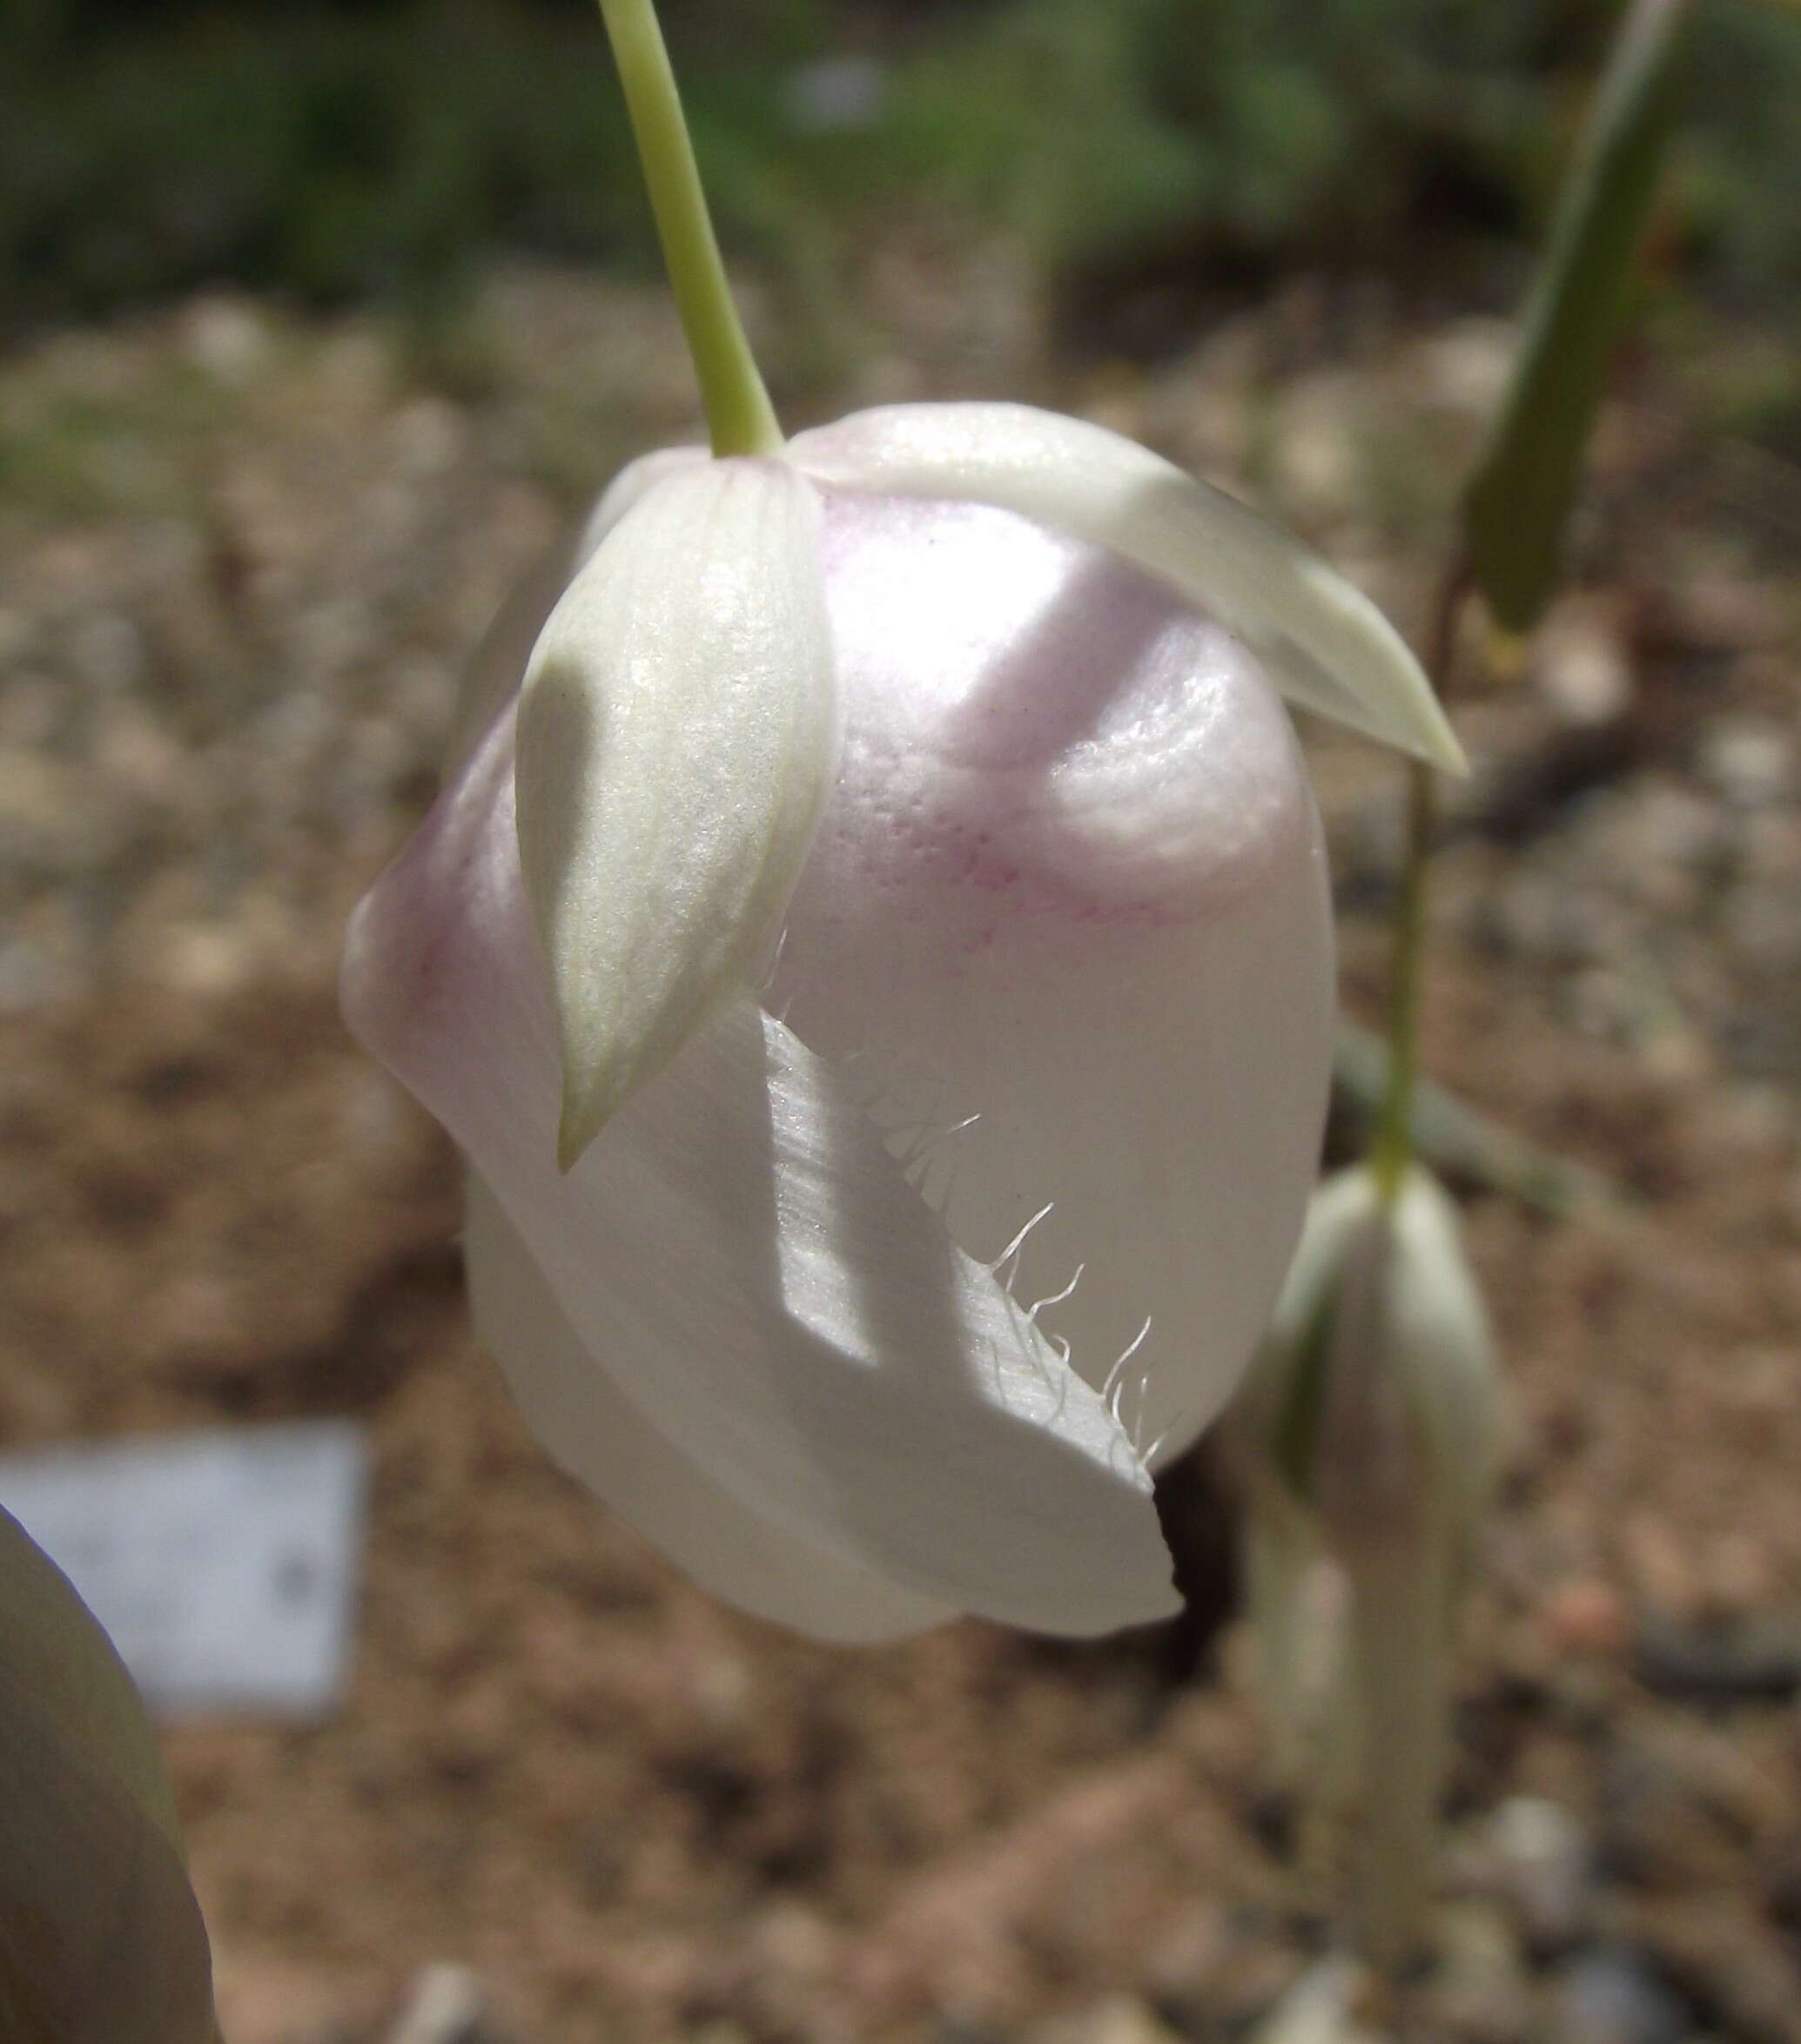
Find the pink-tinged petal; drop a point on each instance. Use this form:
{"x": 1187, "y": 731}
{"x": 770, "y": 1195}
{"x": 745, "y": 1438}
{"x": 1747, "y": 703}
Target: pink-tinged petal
{"x": 596, "y": 1433}
{"x": 745, "y": 1258}
{"x": 1325, "y": 645}
{"x": 677, "y": 734}
{"x": 1067, "y": 925}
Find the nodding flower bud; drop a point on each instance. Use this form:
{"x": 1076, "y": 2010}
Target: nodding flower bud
{"x": 1369, "y": 1432}
{"x": 101, "y": 1939}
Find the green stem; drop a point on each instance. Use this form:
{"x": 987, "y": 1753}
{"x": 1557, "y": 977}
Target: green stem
{"x": 1392, "y": 1149}
{"x": 739, "y": 415}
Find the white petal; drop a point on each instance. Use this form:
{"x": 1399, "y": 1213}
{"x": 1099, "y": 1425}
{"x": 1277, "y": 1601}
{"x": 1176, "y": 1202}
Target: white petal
{"x": 1326, "y": 645}
{"x": 1072, "y": 885}
{"x": 677, "y": 736}
{"x": 762, "y": 1282}
{"x": 601, "y": 1438}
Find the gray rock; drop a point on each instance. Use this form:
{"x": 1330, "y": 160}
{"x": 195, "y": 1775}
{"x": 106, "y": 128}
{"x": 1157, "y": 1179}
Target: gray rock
{"x": 1609, "y": 1996}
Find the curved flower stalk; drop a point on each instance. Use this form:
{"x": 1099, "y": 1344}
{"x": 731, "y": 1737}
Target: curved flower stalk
{"x": 101, "y": 1940}
{"x": 1370, "y": 1430}
{"x": 876, "y": 954}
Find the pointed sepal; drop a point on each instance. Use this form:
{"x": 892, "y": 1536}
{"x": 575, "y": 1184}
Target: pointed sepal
{"x": 677, "y": 738}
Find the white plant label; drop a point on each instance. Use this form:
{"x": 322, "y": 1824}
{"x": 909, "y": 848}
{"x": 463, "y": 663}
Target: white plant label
{"x": 224, "y": 1564}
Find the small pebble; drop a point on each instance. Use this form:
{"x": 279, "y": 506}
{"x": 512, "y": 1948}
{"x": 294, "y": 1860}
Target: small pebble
{"x": 225, "y": 338}
{"x": 1750, "y": 761}
{"x": 1588, "y": 1617}
{"x": 1325, "y": 2006}
{"x": 1546, "y": 1865}
{"x": 1480, "y": 1990}
{"x": 1612, "y": 1997}
{"x": 1121, "y": 2018}
{"x": 444, "y": 2006}
{"x": 1582, "y": 672}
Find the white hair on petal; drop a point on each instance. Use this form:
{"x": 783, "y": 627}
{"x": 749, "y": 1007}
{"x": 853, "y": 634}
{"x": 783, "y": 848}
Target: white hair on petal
{"x": 1056, "y": 1298}
{"x": 1110, "y": 1383}
{"x": 1010, "y": 1254}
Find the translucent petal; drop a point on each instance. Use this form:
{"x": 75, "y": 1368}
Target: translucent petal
{"x": 1066, "y": 925}
{"x": 752, "y": 1267}
{"x": 601, "y": 1438}
{"x": 677, "y": 734}
{"x": 1326, "y": 645}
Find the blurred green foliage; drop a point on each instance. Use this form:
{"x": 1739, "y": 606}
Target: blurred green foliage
{"x": 350, "y": 150}
{"x": 1344, "y": 130}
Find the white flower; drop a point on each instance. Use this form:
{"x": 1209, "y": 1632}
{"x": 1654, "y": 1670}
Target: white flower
{"x": 101, "y": 1940}
{"x": 900, "y": 1251}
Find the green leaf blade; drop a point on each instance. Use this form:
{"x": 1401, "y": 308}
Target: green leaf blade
{"x": 1519, "y": 499}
